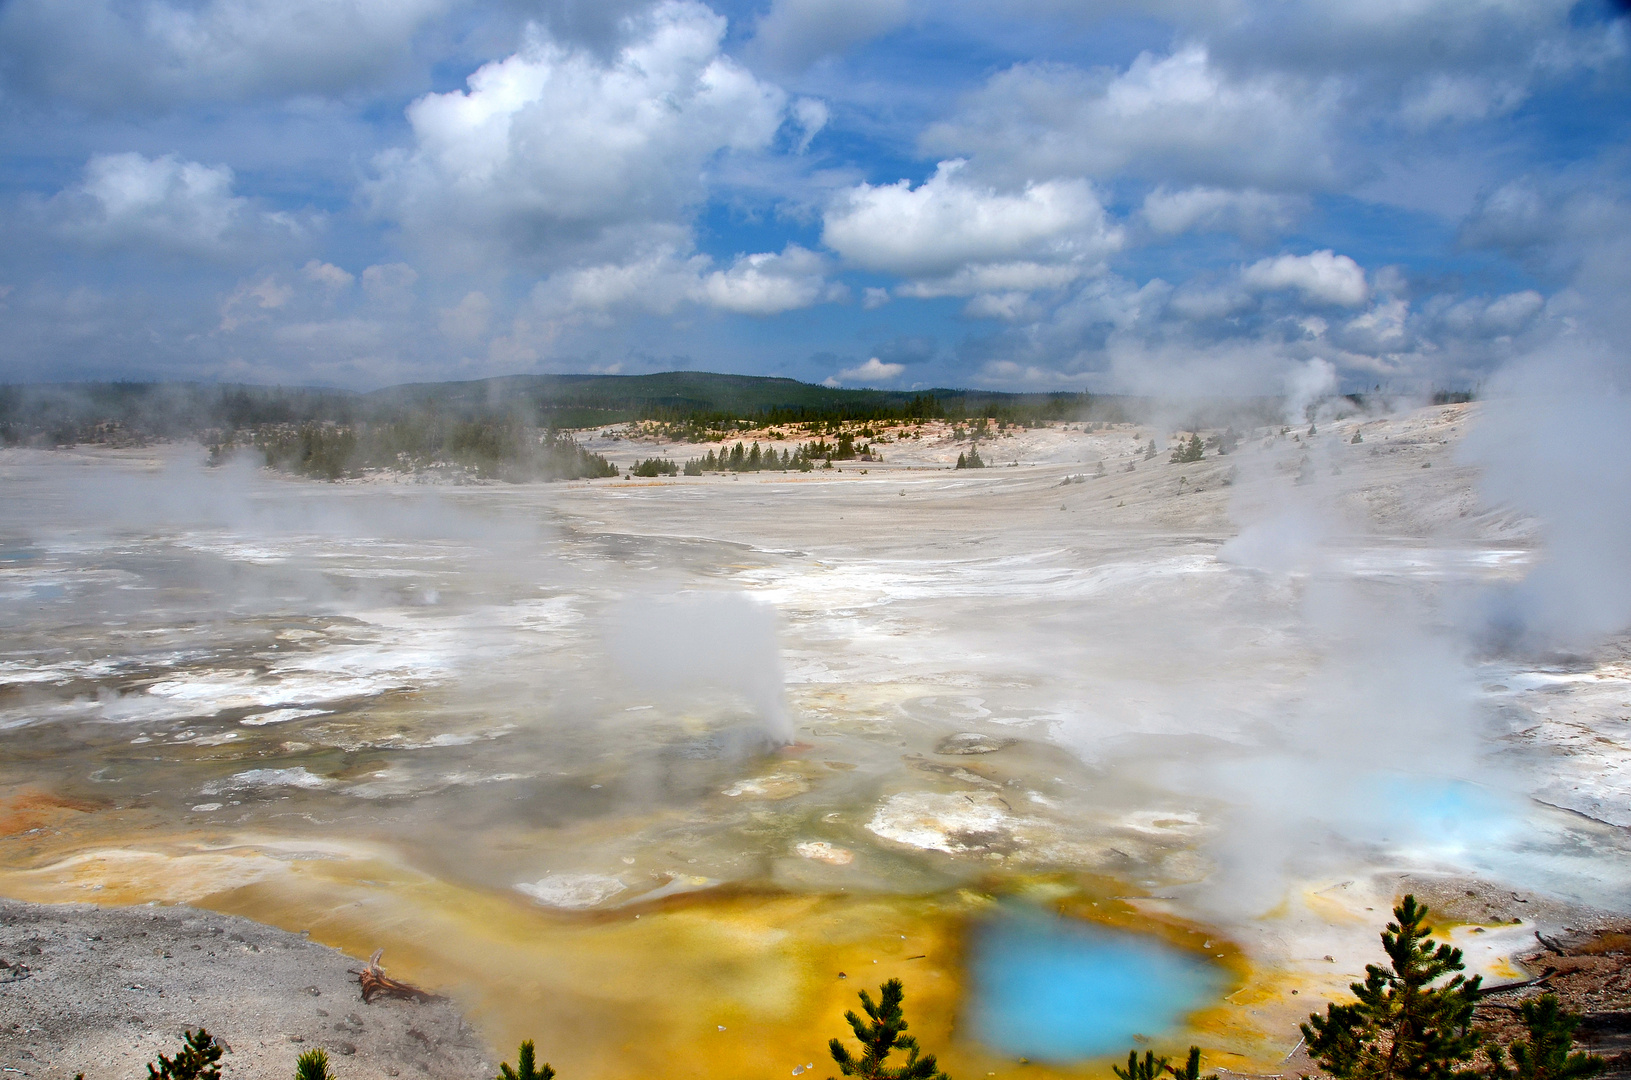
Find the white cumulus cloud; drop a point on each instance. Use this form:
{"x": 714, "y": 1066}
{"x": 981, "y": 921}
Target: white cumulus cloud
{"x": 328, "y": 275}
{"x": 873, "y": 371}
{"x": 163, "y": 202}
{"x": 660, "y": 281}
{"x": 1322, "y": 276}
{"x": 767, "y": 284}
{"x": 557, "y": 152}
{"x": 956, "y": 237}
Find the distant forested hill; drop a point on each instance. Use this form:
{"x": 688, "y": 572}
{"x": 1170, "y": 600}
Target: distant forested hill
{"x": 112, "y": 412}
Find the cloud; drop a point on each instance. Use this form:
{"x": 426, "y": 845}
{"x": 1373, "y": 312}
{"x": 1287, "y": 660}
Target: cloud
{"x": 120, "y": 54}
{"x": 467, "y": 320}
{"x": 873, "y": 371}
{"x": 558, "y": 155}
{"x": 1178, "y": 118}
{"x": 1207, "y": 209}
{"x": 767, "y": 284}
{"x": 658, "y": 281}
{"x": 166, "y": 203}
{"x": 390, "y": 284}
{"x": 1383, "y": 330}
{"x": 811, "y": 115}
{"x": 1402, "y": 40}
{"x": 662, "y": 280}
{"x": 1448, "y": 98}
{"x": 1322, "y": 276}
{"x": 328, "y": 275}
{"x": 957, "y": 238}
{"x": 1484, "y": 317}
{"x": 794, "y": 34}
{"x": 250, "y": 302}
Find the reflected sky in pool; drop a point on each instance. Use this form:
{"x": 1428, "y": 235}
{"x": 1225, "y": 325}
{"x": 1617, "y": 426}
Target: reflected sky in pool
{"x": 1055, "y": 988}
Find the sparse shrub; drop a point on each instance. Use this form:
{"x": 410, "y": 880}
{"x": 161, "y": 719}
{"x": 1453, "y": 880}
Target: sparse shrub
{"x": 1357, "y": 439}
{"x": 525, "y": 1061}
{"x": 880, "y": 1036}
{"x": 195, "y": 1061}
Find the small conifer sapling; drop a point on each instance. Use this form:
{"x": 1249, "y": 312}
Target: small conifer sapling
{"x": 196, "y": 1060}
{"x": 1192, "y": 1067}
{"x": 526, "y": 1060}
{"x": 880, "y": 1036}
{"x": 312, "y": 1065}
{"x": 1150, "y": 1068}
{"x": 1546, "y": 1053}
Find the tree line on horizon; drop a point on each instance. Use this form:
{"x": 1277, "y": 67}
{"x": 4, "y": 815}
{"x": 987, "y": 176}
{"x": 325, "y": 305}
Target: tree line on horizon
{"x": 492, "y": 450}
{"x": 692, "y": 406}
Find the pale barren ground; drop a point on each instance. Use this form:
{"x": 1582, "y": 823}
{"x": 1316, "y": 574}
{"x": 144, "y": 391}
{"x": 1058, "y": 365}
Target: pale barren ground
{"x": 491, "y": 729}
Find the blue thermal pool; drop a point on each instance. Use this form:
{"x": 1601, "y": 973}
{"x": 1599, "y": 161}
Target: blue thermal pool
{"x": 1053, "y": 988}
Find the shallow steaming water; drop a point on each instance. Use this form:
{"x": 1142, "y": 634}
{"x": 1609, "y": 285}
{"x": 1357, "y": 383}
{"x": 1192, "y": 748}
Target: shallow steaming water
{"x": 1054, "y": 988}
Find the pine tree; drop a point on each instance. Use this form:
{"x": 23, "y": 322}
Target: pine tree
{"x": 525, "y": 1059}
{"x": 195, "y": 1061}
{"x": 880, "y": 1038}
{"x": 962, "y": 461}
{"x": 754, "y": 460}
{"x": 1401, "y": 1027}
{"x": 1184, "y": 452}
{"x": 1545, "y": 1054}
{"x": 312, "y": 1065}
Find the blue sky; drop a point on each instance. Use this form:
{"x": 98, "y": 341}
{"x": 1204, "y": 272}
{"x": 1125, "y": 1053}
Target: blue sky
{"x": 1197, "y": 196}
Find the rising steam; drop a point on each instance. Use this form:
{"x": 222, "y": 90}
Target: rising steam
{"x": 701, "y": 642}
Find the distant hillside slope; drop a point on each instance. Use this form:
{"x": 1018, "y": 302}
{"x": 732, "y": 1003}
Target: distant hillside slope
{"x": 683, "y": 395}
{"x": 102, "y": 412}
